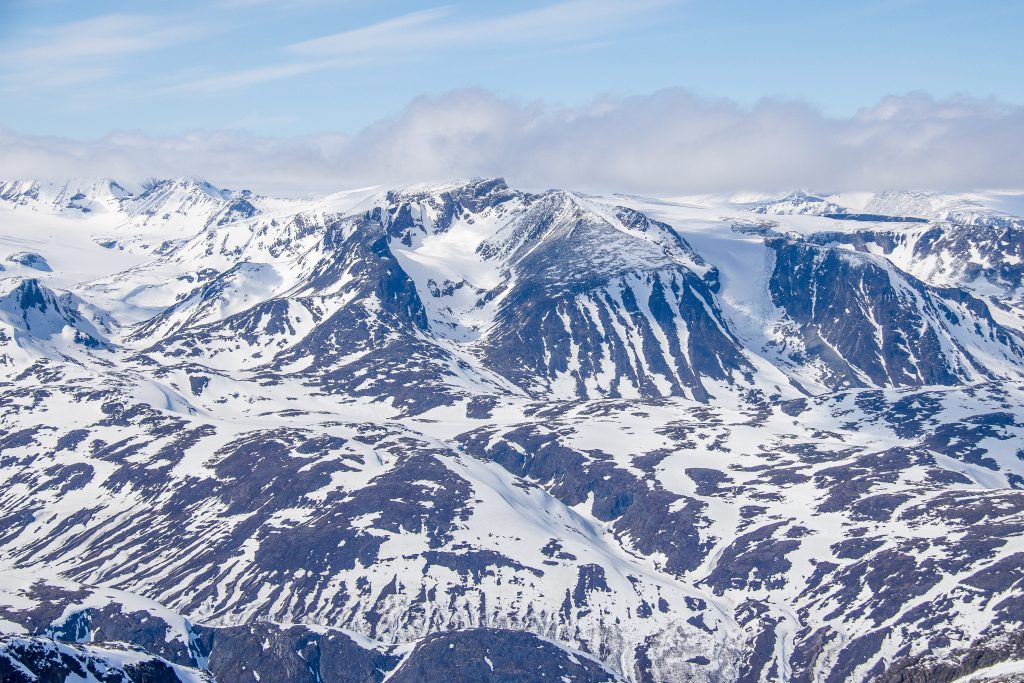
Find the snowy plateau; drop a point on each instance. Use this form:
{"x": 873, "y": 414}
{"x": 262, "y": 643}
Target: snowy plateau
{"x": 465, "y": 432}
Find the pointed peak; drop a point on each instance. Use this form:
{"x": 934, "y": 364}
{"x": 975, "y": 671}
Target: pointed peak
{"x": 186, "y": 183}
{"x": 116, "y": 189}
{"x": 28, "y": 293}
{"x": 802, "y": 196}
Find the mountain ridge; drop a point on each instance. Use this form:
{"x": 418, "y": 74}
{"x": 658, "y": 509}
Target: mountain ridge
{"x": 673, "y": 437}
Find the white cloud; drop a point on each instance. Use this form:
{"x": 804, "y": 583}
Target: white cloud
{"x": 398, "y": 31}
{"x": 443, "y": 28}
{"x": 254, "y": 76}
{"x": 565, "y": 24}
{"x": 91, "y": 49}
{"x": 109, "y": 35}
{"x": 670, "y": 142}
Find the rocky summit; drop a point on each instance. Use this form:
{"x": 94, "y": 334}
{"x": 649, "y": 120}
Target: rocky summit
{"x": 466, "y": 432}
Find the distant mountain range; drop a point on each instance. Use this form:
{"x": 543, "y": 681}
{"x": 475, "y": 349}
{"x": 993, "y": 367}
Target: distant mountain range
{"x": 465, "y": 432}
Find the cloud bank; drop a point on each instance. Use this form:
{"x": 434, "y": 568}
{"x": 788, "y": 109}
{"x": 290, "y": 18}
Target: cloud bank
{"x": 667, "y": 143}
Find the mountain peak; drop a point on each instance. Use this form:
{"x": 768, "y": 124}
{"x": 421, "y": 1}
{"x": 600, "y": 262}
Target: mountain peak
{"x": 186, "y": 183}
{"x": 796, "y": 203}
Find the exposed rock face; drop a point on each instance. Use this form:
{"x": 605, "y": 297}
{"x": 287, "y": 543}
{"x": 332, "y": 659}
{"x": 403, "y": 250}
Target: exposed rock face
{"x": 41, "y": 660}
{"x": 871, "y": 324}
{"x": 268, "y": 652}
{"x": 30, "y": 259}
{"x": 495, "y": 655}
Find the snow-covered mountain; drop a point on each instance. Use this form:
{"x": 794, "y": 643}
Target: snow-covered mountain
{"x": 425, "y": 432}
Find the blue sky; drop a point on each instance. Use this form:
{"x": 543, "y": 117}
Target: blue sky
{"x": 660, "y": 97}
{"x": 296, "y": 67}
